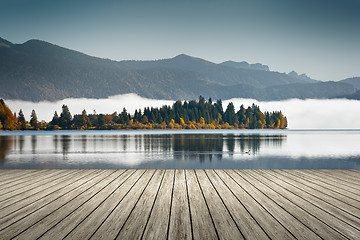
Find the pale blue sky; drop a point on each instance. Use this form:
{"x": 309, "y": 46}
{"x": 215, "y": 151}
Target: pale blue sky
{"x": 317, "y": 37}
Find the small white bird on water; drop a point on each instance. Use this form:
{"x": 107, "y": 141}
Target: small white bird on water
{"x": 248, "y": 152}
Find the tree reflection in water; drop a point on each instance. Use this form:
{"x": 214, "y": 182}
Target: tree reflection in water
{"x": 33, "y": 144}
{"x": 65, "y": 140}
{"x": 6, "y": 143}
{"x": 21, "y": 143}
{"x": 188, "y": 147}
{"x": 56, "y": 143}
{"x": 207, "y": 147}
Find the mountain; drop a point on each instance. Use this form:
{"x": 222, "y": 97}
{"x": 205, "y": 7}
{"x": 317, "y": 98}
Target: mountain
{"x": 354, "y": 96}
{"x": 246, "y": 65}
{"x": 217, "y": 73}
{"x": 310, "y": 90}
{"x": 5, "y": 44}
{"x": 355, "y": 81}
{"x": 303, "y": 77}
{"x": 37, "y": 70}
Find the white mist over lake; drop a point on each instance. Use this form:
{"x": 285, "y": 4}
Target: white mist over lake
{"x": 301, "y": 114}
{"x": 311, "y": 113}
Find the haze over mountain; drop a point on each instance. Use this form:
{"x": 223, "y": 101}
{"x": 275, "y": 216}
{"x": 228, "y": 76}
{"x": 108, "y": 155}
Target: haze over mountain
{"x": 37, "y": 70}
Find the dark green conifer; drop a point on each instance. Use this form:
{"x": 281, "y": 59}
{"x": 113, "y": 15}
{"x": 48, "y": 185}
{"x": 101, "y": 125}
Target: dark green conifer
{"x": 22, "y": 121}
{"x": 34, "y": 120}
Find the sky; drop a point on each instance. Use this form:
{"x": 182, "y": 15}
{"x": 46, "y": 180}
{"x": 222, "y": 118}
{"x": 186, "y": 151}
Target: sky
{"x": 318, "y": 37}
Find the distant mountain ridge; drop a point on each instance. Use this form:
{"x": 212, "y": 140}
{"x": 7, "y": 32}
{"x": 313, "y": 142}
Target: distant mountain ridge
{"x": 355, "y": 81}
{"x": 246, "y": 65}
{"x": 38, "y": 70}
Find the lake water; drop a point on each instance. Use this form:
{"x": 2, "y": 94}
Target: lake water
{"x": 188, "y": 149}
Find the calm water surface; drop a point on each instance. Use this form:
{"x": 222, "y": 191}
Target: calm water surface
{"x": 254, "y": 149}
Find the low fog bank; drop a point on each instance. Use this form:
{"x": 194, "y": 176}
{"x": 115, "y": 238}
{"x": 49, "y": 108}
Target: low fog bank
{"x": 311, "y": 113}
{"x": 301, "y": 114}
{"x": 45, "y": 110}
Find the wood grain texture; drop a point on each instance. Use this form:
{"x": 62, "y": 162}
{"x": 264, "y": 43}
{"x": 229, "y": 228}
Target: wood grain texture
{"x": 158, "y": 222}
{"x": 335, "y": 223}
{"x": 223, "y": 221}
{"x": 202, "y": 224}
{"x": 111, "y": 227}
{"x": 179, "y": 204}
{"x": 18, "y": 211}
{"x": 245, "y": 221}
{"x": 26, "y": 222}
{"x": 94, "y": 220}
{"x": 180, "y": 220}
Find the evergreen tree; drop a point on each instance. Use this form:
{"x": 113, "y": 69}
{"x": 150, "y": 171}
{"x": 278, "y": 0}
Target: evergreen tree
{"x": 219, "y": 107}
{"x": 229, "y": 115}
{"x": 22, "y": 121}
{"x": 34, "y": 120}
{"x": 123, "y": 117}
{"x": 241, "y": 116}
{"x": 55, "y": 120}
{"x": 65, "y": 118}
{"x": 201, "y": 100}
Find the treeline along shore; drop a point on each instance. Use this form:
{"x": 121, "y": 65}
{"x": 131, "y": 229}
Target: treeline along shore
{"x": 192, "y": 114}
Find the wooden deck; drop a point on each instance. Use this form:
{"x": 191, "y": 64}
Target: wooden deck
{"x": 179, "y": 204}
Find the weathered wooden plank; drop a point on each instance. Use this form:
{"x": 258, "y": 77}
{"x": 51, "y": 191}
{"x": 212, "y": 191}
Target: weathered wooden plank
{"x": 202, "y": 224}
{"x": 180, "y": 220}
{"x": 29, "y": 185}
{"x": 41, "y": 227}
{"x": 281, "y": 197}
{"x": 112, "y": 225}
{"x": 94, "y": 220}
{"x": 63, "y": 176}
{"x": 158, "y": 223}
{"x": 344, "y": 228}
{"x": 297, "y": 228}
{"x": 318, "y": 227}
{"x": 26, "y": 176}
{"x": 338, "y": 178}
{"x": 346, "y": 174}
{"x": 28, "y": 221}
{"x": 15, "y": 212}
{"x": 333, "y": 181}
{"x": 223, "y": 221}
{"x": 247, "y": 224}
{"x": 311, "y": 197}
{"x": 339, "y": 196}
{"x": 313, "y": 189}
{"x": 267, "y": 222}
{"x": 15, "y": 173}
{"x": 31, "y": 181}
{"x": 135, "y": 224}
{"x": 320, "y": 181}
{"x": 61, "y": 229}
{"x": 5, "y": 172}
{"x": 12, "y": 174}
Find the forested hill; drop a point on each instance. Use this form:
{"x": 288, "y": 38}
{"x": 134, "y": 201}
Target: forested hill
{"x": 37, "y": 70}
{"x": 192, "y": 114}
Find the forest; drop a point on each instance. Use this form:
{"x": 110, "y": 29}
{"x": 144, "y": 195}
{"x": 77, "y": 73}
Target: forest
{"x": 192, "y": 114}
